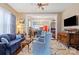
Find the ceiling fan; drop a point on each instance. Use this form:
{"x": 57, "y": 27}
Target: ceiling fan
{"x": 42, "y": 5}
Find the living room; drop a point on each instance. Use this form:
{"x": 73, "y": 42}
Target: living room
{"x": 27, "y": 22}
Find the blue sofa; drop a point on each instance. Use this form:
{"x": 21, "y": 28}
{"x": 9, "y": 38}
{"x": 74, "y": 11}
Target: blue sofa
{"x": 41, "y": 46}
{"x": 9, "y": 43}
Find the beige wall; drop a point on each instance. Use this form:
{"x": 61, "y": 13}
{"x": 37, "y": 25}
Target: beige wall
{"x": 59, "y": 18}
{"x": 18, "y": 16}
{"x": 68, "y": 12}
{"x": 6, "y": 6}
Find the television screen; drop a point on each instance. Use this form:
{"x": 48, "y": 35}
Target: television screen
{"x": 72, "y": 21}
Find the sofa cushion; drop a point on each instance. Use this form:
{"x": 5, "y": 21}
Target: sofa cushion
{"x": 14, "y": 42}
{"x": 12, "y": 36}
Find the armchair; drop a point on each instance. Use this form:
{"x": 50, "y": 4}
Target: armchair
{"x": 42, "y": 45}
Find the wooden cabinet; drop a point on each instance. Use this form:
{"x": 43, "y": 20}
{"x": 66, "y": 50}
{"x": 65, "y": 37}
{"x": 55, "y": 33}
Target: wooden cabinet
{"x": 75, "y": 40}
{"x": 71, "y": 40}
{"x": 63, "y": 37}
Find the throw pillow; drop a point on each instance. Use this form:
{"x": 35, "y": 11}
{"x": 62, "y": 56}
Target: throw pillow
{"x": 18, "y": 36}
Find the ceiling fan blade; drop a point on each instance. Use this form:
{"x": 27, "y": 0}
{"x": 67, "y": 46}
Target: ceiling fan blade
{"x": 46, "y": 4}
{"x": 42, "y": 4}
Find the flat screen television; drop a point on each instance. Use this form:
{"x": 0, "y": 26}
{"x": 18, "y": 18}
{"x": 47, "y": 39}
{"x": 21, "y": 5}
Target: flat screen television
{"x": 72, "y": 21}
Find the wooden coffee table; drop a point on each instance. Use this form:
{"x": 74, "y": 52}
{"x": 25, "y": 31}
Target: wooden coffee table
{"x": 26, "y": 42}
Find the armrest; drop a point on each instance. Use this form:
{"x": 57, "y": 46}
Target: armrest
{"x": 2, "y": 43}
{"x": 42, "y": 36}
{"x": 14, "y": 42}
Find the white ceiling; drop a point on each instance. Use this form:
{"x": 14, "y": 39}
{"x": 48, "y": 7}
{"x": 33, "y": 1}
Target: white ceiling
{"x": 33, "y": 8}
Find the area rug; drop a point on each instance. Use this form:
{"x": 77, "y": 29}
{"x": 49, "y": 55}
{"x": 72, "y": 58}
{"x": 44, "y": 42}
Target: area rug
{"x": 57, "y": 48}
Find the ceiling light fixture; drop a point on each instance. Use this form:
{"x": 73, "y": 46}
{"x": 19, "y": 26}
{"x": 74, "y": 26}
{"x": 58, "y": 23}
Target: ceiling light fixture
{"x": 42, "y": 5}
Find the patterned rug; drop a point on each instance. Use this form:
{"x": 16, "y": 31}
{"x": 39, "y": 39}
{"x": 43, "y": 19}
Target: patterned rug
{"x": 57, "y": 48}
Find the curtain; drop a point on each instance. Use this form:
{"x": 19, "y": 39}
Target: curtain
{"x": 6, "y": 22}
{"x": 13, "y": 24}
{"x": 1, "y": 20}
